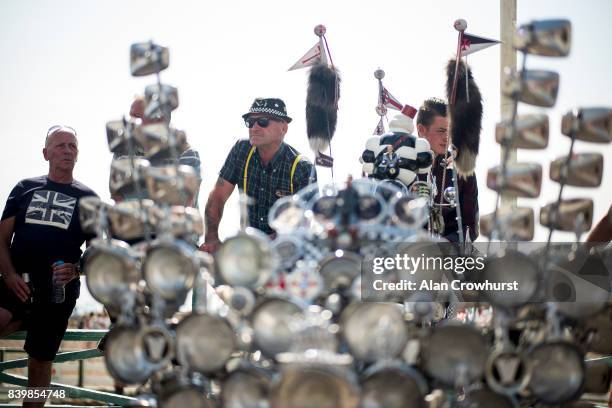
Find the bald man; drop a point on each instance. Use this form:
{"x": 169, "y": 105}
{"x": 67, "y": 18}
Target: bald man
{"x": 39, "y": 227}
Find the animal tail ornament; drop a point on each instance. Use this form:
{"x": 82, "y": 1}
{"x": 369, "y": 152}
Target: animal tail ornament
{"x": 465, "y": 117}
{"x": 322, "y": 105}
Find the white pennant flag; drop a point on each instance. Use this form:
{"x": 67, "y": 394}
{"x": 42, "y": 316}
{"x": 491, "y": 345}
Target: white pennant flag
{"x": 312, "y": 57}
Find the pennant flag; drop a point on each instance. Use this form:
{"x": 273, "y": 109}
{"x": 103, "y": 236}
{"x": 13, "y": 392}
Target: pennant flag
{"x": 380, "y": 128}
{"x": 310, "y": 58}
{"x": 390, "y": 101}
{"x": 472, "y": 44}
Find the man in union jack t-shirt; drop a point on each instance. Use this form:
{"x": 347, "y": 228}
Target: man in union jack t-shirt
{"x": 40, "y": 226}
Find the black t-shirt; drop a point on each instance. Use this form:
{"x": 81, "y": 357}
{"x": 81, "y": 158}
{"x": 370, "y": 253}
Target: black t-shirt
{"x": 47, "y": 227}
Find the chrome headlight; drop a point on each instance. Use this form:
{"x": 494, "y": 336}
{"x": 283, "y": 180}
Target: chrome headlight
{"x": 170, "y": 268}
{"x": 246, "y": 387}
{"x": 340, "y": 269}
{"x": 374, "y": 331}
{"x": 558, "y": 372}
{"x": 272, "y": 325}
{"x": 393, "y": 385}
{"x": 507, "y": 266}
{"x": 172, "y": 185}
{"x": 287, "y": 214}
{"x": 246, "y": 259}
{"x": 110, "y": 268}
{"x": 180, "y": 391}
{"x": 133, "y": 354}
{"x": 409, "y": 211}
{"x": 321, "y": 387}
{"x": 204, "y": 342}
{"x": 454, "y": 354}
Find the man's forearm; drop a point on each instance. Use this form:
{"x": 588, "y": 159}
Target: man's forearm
{"x": 6, "y": 265}
{"x": 213, "y": 214}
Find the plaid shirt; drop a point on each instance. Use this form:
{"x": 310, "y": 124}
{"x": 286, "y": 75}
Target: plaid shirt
{"x": 468, "y": 199}
{"x": 266, "y": 184}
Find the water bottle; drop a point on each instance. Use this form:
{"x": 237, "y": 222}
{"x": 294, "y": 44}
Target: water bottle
{"x": 58, "y": 293}
{"x": 26, "y": 279}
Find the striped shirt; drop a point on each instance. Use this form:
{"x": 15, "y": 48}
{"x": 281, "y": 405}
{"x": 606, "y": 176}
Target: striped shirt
{"x": 266, "y": 183}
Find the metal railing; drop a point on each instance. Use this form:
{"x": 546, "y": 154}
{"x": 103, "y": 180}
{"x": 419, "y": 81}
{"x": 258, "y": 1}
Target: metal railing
{"x": 71, "y": 391}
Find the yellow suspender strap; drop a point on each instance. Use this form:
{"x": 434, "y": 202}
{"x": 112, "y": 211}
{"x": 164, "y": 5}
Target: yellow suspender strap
{"x": 246, "y": 169}
{"x": 293, "y": 167}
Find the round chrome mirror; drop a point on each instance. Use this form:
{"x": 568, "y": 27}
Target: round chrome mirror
{"x": 246, "y": 387}
{"x": 374, "y": 331}
{"x": 454, "y": 354}
{"x": 393, "y": 385}
{"x": 289, "y": 249}
{"x": 287, "y": 214}
{"x": 204, "y": 342}
{"x": 558, "y": 372}
{"x": 111, "y": 269}
{"x": 340, "y": 269}
{"x": 170, "y": 268}
{"x": 507, "y": 372}
{"x": 312, "y": 386}
{"x": 246, "y": 259}
{"x": 507, "y": 266}
{"x": 271, "y": 321}
{"x": 409, "y": 211}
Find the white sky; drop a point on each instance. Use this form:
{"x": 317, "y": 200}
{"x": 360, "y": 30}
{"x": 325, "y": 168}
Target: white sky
{"x": 67, "y": 62}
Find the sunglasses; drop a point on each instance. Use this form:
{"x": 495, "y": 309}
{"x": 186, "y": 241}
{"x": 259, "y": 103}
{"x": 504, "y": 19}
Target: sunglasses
{"x": 55, "y": 128}
{"x": 262, "y": 122}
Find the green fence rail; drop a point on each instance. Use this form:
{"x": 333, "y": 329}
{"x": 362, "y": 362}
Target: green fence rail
{"x": 71, "y": 391}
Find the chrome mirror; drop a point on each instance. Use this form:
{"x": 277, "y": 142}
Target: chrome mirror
{"x": 118, "y": 136}
{"x": 178, "y": 220}
{"x": 531, "y": 132}
{"x": 128, "y": 219}
{"x": 246, "y": 387}
{"x": 521, "y": 180}
{"x": 570, "y": 215}
{"x": 558, "y": 372}
{"x": 172, "y": 185}
{"x": 339, "y": 269}
{"x": 548, "y": 38}
{"x": 158, "y": 140}
{"x": 393, "y": 385}
{"x": 588, "y": 124}
{"x": 584, "y": 170}
{"x": 534, "y": 87}
{"x": 453, "y": 354}
{"x": 515, "y": 224}
{"x": 90, "y": 209}
{"x": 127, "y": 177}
{"x": 160, "y": 101}
{"x": 148, "y": 58}
{"x": 298, "y": 386}
{"x": 204, "y": 342}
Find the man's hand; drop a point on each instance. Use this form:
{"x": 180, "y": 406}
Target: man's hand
{"x": 17, "y": 285}
{"x": 64, "y": 273}
{"x": 210, "y": 246}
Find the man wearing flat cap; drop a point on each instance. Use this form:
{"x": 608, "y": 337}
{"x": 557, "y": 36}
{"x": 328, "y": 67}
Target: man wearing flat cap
{"x": 263, "y": 166}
